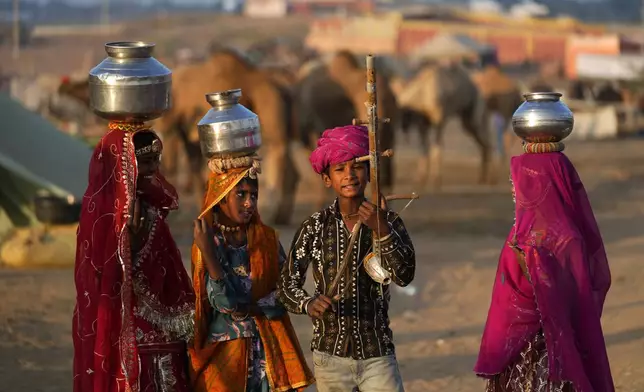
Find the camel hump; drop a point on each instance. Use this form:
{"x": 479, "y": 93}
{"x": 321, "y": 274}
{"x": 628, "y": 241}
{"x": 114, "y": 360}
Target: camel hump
{"x": 492, "y": 81}
{"x": 228, "y": 58}
{"x": 342, "y": 63}
{"x": 397, "y": 85}
{"x": 309, "y": 67}
{"x": 439, "y": 87}
{"x": 346, "y": 59}
{"x": 185, "y": 72}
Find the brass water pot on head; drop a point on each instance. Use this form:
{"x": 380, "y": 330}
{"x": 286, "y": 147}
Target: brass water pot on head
{"x": 542, "y": 118}
{"x": 228, "y": 129}
{"x": 130, "y": 85}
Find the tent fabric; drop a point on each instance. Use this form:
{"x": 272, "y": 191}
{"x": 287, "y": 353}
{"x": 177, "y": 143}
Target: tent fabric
{"x": 35, "y": 156}
{"x": 450, "y": 45}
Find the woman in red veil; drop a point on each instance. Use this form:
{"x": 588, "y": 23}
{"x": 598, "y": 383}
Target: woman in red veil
{"x": 134, "y": 300}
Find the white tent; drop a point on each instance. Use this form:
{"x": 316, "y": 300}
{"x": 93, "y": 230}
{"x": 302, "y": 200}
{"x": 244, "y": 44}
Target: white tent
{"x": 450, "y": 46}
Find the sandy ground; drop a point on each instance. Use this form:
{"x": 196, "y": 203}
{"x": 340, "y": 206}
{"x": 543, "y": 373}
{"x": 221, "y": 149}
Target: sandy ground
{"x": 457, "y": 235}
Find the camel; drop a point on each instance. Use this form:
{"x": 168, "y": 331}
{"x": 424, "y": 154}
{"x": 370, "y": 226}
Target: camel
{"x": 78, "y": 89}
{"x": 436, "y": 94}
{"x": 223, "y": 70}
{"x": 66, "y": 103}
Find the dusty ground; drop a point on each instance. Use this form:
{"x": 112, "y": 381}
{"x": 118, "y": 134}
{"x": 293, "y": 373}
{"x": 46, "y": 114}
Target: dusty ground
{"x": 457, "y": 235}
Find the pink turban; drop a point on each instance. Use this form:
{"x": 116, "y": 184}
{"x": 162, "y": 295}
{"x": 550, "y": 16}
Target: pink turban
{"x": 339, "y": 145}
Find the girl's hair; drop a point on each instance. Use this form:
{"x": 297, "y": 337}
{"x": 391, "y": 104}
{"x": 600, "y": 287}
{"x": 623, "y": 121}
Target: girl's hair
{"x": 246, "y": 180}
{"x": 143, "y": 139}
{"x": 250, "y": 181}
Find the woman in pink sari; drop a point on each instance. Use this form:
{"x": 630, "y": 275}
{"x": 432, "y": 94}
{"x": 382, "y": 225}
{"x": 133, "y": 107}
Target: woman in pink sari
{"x": 543, "y": 331}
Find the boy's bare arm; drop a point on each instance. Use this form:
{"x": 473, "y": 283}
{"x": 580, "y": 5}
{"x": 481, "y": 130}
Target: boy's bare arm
{"x": 398, "y": 255}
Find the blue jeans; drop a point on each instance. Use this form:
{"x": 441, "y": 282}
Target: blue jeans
{"x": 338, "y": 374}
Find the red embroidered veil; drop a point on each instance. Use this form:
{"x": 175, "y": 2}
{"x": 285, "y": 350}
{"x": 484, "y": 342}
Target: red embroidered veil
{"x": 114, "y": 287}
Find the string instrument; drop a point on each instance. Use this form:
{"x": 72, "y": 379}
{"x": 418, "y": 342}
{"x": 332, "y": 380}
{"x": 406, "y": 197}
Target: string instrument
{"x": 372, "y": 262}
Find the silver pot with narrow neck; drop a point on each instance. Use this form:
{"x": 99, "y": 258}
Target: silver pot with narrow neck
{"x": 229, "y": 129}
{"x": 542, "y": 118}
{"x": 130, "y": 85}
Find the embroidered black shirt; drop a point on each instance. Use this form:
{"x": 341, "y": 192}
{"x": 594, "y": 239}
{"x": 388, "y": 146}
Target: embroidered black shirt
{"x": 359, "y": 326}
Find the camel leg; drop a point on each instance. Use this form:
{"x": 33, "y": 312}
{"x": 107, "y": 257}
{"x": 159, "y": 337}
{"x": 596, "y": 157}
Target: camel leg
{"x": 386, "y": 175}
{"x": 169, "y": 158}
{"x": 198, "y": 180}
{"x": 435, "y": 160}
{"x": 498, "y": 124}
{"x": 424, "y": 128}
{"x": 313, "y": 182}
{"x": 289, "y": 181}
{"x": 507, "y": 140}
{"x": 387, "y": 170}
{"x": 510, "y": 140}
{"x": 423, "y": 169}
{"x": 481, "y": 137}
{"x": 300, "y": 156}
{"x": 324, "y": 194}
{"x": 271, "y": 194}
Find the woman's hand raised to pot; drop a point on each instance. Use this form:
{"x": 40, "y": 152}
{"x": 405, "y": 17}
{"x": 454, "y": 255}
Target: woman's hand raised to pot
{"x": 205, "y": 238}
{"x": 207, "y": 243}
{"x": 136, "y": 219}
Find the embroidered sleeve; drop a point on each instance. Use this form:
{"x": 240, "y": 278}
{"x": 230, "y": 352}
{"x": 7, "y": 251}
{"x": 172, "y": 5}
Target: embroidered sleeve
{"x": 398, "y": 255}
{"x": 270, "y": 305}
{"x": 290, "y": 289}
{"x": 221, "y": 294}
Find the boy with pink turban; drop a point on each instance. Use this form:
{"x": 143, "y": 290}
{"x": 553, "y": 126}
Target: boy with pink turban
{"x": 352, "y": 342}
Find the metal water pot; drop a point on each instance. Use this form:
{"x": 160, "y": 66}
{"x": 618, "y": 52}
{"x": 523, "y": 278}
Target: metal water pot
{"x": 229, "y": 129}
{"x": 130, "y": 85}
{"x": 542, "y": 118}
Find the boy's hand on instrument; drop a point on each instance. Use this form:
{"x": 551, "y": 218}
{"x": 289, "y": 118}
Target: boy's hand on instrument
{"x": 368, "y": 216}
{"x": 318, "y": 306}
{"x": 383, "y": 203}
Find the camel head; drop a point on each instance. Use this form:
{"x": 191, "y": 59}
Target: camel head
{"x": 281, "y": 76}
{"x": 77, "y": 89}
{"x": 397, "y": 84}
{"x": 342, "y": 63}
